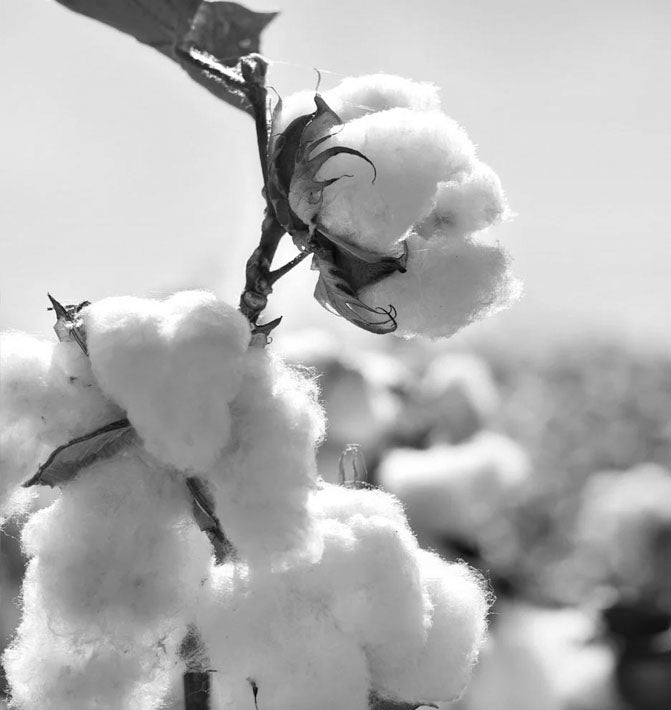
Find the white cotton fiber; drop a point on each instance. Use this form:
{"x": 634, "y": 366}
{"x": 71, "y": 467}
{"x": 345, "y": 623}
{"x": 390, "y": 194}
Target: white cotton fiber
{"x": 411, "y": 152}
{"x": 48, "y": 396}
{"x": 358, "y": 96}
{"x": 174, "y": 366}
{"x": 448, "y": 284}
{"x": 116, "y": 565}
{"x": 472, "y": 203}
{"x": 457, "y": 490}
{"x": 262, "y": 479}
{"x": 119, "y": 550}
{"x": 456, "y": 632}
{"x": 263, "y": 628}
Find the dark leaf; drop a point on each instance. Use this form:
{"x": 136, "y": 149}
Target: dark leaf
{"x": 225, "y": 30}
{"x": 68, "y": 460}
{"x": 69, "y": 323}
{"x": 375, "y": 702}
{"x": 203, "y": 511}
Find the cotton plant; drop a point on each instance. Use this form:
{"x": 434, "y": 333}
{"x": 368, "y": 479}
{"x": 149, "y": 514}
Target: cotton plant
{"x": 193, "y": 539}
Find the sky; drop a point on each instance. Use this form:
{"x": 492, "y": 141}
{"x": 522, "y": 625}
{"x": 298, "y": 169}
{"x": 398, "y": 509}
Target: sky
{"x": 119, "y": 175}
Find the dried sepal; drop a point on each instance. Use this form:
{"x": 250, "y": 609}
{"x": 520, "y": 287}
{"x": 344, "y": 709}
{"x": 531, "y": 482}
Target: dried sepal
{"x": 207, "y": 520}
{"x": 69, "y": 322}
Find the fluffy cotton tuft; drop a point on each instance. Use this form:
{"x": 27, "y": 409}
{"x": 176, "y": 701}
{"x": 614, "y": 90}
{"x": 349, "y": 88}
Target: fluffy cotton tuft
{"x": 174, "y": 366}
{"x": 48, "y": 396}
{"x": 411, "y": 153}
{"x": 357, "y": 96}
{"x": 263, "y": 628}
{"x": 115, "y": 565}
{"x": 262, "y": 479}
{"x": 448, "y": 285}
{"x": 456, "y": 631}
{"x": 457, "y": 490}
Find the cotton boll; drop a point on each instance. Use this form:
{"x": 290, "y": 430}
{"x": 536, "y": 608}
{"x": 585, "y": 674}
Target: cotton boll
{"x": 456, "y": 632}
{"x": 411, "y": 152}
{"x": 460, "y": 491}
{"x": 263, "y": 628}
{"x": 622, "y": 515}
{"x": 473, "y": 203}
{"x": 174, "y": 366}
{"x": 457, "y": 396}
{"x": 117, "y": 553}
{"x": 448, "y": 284}
{"x": 262, "y": 480}
{"x": 357, "y": 96}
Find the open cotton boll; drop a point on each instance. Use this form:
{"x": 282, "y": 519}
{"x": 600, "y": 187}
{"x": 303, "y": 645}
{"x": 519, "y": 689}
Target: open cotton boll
{"x": 457, "y": 490}
{"x": 448, "y": 284}
{"x": 263, "y": 628}
{"x": 174, "y": 366}
{"x": 472, "y": 203}
{"x": 262, "y": 480}
{"x": 456, "y": 632}
{"x": 411, "y": 152}
{"x": 118, "y": 552}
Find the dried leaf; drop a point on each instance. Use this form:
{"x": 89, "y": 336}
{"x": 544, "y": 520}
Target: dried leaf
{"x": 68, "y": 460}
{"x": 203, "y": 512}
{"x": 225, "y": 30}
{"x": 375, "y": 702}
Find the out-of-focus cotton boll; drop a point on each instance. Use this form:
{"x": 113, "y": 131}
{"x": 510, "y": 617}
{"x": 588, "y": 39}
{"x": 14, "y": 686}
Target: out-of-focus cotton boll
{"x": 456, "y": 631}
{"x": 262, "y": 480}
{"x": 472, "y": 203}
{"x": 457, "y": 396}
{"x": 47, "y": 397}
{"x": 448, "y": 284}
{"x": 174, "y": 366}
{"x": 411, "y": 152}
{"x": 462, "y": 490}
{"x": 264, "y": 629}
{"x": 105, "y": 553}
{"x": 621, "y": 517}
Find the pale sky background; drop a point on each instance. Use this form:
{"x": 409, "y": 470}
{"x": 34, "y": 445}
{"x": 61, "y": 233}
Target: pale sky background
{"x": 118, "y": 174}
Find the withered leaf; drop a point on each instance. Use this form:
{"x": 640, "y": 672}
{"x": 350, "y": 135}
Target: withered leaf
{"x": 225, "y": 30}
{"x": 208, "y": 522}
{"x": 68, "y": 460}
{"x": 375, "y": 702}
